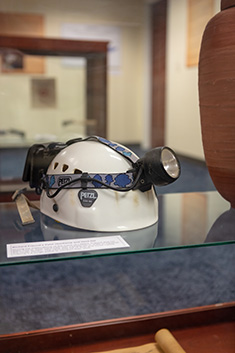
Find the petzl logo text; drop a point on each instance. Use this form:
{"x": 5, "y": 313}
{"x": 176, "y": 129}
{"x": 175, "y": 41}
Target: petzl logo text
{"x": 63, "y": 180}
{"x": 87, "y": 197}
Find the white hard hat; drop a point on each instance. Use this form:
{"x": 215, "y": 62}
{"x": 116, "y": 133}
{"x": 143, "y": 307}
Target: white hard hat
{"x": 90, "y": 186}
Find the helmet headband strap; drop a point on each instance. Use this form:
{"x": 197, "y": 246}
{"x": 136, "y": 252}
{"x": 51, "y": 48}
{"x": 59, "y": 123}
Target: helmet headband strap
{"x": 125, "y": 152}
{"x": 98, "y": 180}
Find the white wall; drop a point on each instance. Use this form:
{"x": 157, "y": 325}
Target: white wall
{"x": 183, "y": 130}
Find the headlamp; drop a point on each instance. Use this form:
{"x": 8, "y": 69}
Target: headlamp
{"x": 159, "y": 166}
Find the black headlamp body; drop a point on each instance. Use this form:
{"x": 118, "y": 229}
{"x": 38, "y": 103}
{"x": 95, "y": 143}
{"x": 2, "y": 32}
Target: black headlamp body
{"x": 38, "y": 159}
{"x": 154, "y": 170}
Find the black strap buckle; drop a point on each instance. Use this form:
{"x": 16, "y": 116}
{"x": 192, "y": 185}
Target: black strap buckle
{"x": 84, "y": 180}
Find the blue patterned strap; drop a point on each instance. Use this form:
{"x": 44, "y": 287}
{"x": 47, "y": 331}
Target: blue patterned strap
{"x": 71, "y": 181}
{"x": 125, "y": 152}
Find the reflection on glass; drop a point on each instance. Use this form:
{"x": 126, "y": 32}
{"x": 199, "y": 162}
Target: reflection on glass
{"x": 175, "y": 228}
{"x": 137, "y": 239}
{"x": 37, "y": 105}
{"x": 223, "y": 228}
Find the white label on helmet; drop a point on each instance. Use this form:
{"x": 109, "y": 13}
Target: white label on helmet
{"x": 87, "y": 197}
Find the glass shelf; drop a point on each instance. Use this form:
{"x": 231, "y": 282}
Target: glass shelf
{"x": 185, "y": 220}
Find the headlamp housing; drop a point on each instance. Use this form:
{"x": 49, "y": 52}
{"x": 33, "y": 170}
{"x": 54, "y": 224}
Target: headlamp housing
{"x": 160, "y": 167}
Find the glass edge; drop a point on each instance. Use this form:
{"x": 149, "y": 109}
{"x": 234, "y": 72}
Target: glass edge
{"x": 130, "y": 252}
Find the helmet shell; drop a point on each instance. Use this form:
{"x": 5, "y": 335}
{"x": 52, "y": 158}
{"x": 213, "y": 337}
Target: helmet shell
{"x": 112, "y": 211}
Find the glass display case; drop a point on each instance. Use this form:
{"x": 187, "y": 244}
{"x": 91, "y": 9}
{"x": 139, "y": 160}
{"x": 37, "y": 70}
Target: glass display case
{"x": 185, "y": 220}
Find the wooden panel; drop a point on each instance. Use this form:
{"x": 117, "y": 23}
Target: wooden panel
{"x": 22, "y": 25}
{"x": 96, "y": 101}
{"x": 199, "y": 13}
{"x": 53, "y": 47}
{"x": 159, "y": 11}
{"x": 30, "y": 65}
{"x": 199, "y": 329}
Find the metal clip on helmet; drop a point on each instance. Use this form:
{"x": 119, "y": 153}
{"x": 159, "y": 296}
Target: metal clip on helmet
{"x": 97, "y": 185}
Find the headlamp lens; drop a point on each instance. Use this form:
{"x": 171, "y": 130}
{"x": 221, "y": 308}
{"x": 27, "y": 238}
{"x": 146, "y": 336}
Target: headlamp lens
{"x": 170, "y": 163}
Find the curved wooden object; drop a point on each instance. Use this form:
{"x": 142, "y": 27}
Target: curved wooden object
{"x": 217, "y": 99}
